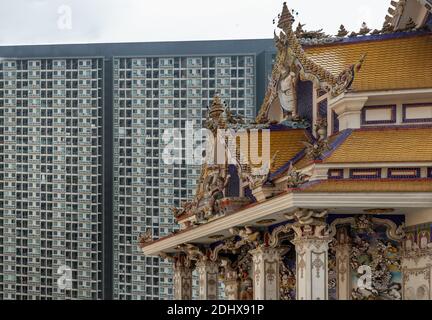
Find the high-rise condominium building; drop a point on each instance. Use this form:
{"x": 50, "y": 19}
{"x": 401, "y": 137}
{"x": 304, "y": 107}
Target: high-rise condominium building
{"x": 51, "y": 177}
{"x": 81, "y": 157}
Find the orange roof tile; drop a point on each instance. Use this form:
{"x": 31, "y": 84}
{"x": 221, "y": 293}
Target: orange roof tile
{"x": 286, "y": 143}
{"x": 398, "y": 63}
{"x": 305, "y": 160}
{"x": 420, "y": 185}
{"x": 385, "y": 145}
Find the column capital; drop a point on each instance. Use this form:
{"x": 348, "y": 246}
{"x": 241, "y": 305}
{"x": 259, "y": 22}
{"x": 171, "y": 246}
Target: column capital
{"x": 268, "y": 253}
{"x": 310, "y": 226}
{"x": 205, "y": 265}
{"x": 305, "y": 216}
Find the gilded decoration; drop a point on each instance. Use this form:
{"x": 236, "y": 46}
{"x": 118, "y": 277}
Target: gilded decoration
{"x": 292, "y": 64}
{"x": 305, "y": 216}
{"x": 295, "y": 177}
{"x": 382, "y": 257}
{"x": 211, "y": 200}
{"x": 374, "y": 255}
{"x": 145, "y": 238}
{"x": 287, "y": 274}
{"x": 243, "y": 238}
{"x": 237, "y": 274}
{"x": 418, "y": 242}
{"x": 317, "y": 147}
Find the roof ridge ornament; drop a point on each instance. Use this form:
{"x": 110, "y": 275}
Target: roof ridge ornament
{"x": 286, "y": 19}
{"x": 291, "y": 59}
{"x": 346, "y": 77}
{"x": 220, "y": 116}
{"x": 211, "y": 199}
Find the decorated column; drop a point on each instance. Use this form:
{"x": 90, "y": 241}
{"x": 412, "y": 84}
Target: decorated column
{"x": 266, "y": 262}
{"x": 208, "y": 272}
{"x": 343, "y": 249}
{"x": 311, "y": 245}
{"x": 232, "y": 284}
{"x": 182, "y": 280}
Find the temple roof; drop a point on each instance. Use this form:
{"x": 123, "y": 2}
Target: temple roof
{"x": 356, "y": 185}
{"x": 391, "y": 62}
{"x": 285, "y": 145}
{"x": 384, "y": 145}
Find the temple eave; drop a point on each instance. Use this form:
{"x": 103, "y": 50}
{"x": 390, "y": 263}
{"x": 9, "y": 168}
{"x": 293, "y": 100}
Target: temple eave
{"x": 275, "y": 208}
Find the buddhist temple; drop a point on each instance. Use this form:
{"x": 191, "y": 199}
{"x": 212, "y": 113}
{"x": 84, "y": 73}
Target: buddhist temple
{"x": 340, "y": 208}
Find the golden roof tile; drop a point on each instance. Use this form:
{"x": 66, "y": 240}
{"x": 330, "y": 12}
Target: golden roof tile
{"x": 384, "y": 145}
{"x": 419, "y": 185}
{"x": 390, "y": 64}
{"x": 284, "y": 145}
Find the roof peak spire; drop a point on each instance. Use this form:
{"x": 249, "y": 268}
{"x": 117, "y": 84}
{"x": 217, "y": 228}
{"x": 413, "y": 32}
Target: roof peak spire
{"x": 286, "y": 19}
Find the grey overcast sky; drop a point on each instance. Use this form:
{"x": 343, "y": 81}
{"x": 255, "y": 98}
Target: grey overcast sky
{"x": 89, "y": 21}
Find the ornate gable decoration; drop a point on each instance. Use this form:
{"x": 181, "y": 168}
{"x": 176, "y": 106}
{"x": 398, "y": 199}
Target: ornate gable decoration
{"x": 293, "y": 64}
{"x": 211, "y": 200}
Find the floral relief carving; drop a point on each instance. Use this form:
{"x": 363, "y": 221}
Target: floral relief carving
{"x": 301, "y": 263}
{"x": 317, "y": 263}
{"x": 270, "y": 271}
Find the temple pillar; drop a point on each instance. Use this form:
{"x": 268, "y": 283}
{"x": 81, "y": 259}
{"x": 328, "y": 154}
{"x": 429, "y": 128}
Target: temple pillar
{"x": 232, "y": 284}
{"x": 311, "y": 267}
{"x": 208, "y": 273}
{"x": 182, "y": 281}
{"x": 312, "y": 244}
{"x": 266, "y": 262}
{"x": 343, "y": 278}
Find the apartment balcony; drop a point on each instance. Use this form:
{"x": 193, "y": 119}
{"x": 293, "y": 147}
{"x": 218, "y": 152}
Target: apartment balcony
{"x": 166, "y": 75}
{"x": 8, "y": 67}
{"x": 55, "y": 95}
{"x": 196, "y": 64}
{"x": 10, "y": 95}
{"x": 83, "y": 76}
{"x": 85, "y": 85}
{"x": 196, "y": 104}
{"x": 169, "y": 86}
{"x": 194, "y": 75}
{"x": 86, "y": 96}
{"x": 9, "y": 76}
{"x": 167, "y": 95}
{"x": 224, "y": 63}
{"x": 58, "y": 67}
{"x": 223, "y": 75}
{"x": 87, "y": 66}
{"x": 12, "y": 86}
{"x": 194, "y": 85}
{"x": 139, "y": 86}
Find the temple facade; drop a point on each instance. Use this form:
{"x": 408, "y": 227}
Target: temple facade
{"x": 339, "y": 204}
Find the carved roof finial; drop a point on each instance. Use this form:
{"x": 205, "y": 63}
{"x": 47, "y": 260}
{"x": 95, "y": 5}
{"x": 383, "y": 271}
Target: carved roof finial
{"x": 342, "y": 31}
{"x": 216, "y": 108}
{"x": 364, "y": 30}
{"x": 299, "y": 31}
{"x": 286, "y": 19}
{"x": 411, "y": 25}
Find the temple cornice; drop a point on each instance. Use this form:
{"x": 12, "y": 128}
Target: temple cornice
{"x": 283, "y": 203}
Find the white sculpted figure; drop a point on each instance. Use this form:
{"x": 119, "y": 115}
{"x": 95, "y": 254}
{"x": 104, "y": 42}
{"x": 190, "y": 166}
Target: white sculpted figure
{"x": 286, "y": 91}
